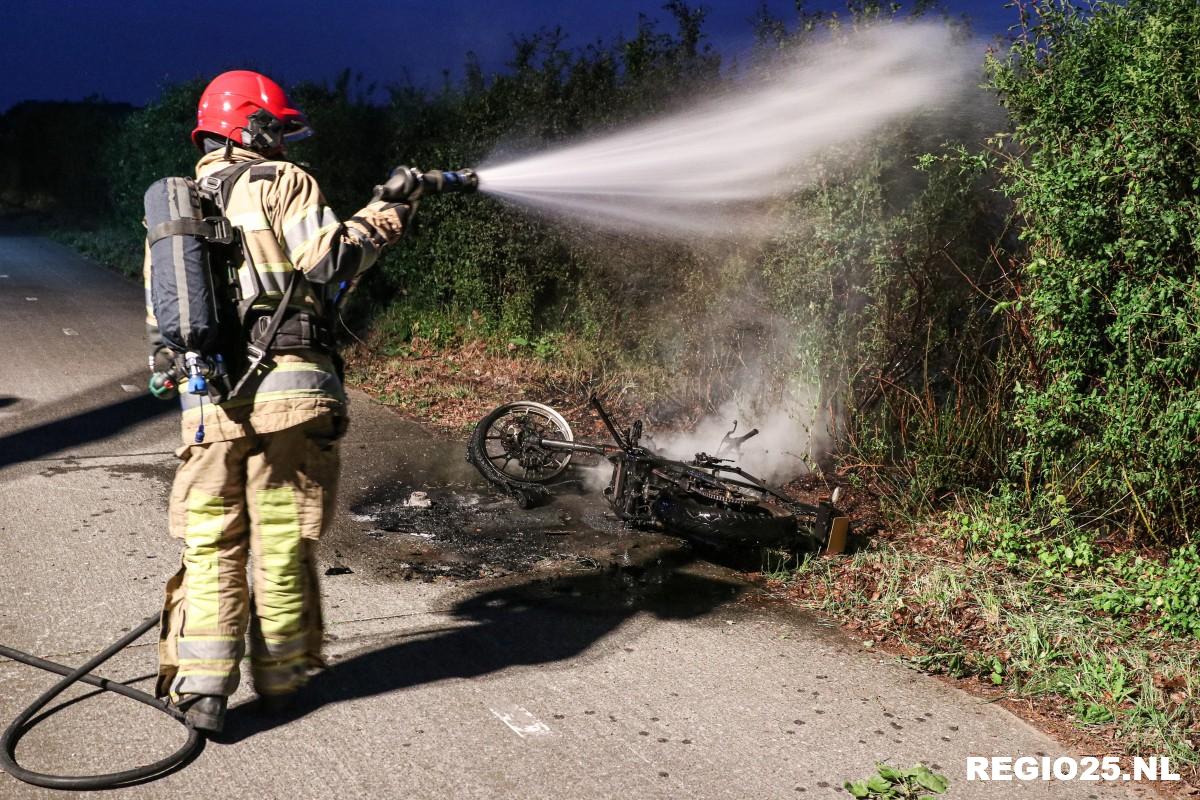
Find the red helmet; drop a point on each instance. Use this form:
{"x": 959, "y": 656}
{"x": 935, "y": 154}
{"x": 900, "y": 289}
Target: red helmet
{"x": 249, "y": 108}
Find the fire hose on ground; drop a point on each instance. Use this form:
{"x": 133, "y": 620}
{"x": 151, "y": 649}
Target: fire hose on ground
{"x": 27, "y": 719}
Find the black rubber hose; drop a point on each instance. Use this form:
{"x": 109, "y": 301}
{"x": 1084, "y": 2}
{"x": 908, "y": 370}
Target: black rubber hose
{"x": 21, "y": 725}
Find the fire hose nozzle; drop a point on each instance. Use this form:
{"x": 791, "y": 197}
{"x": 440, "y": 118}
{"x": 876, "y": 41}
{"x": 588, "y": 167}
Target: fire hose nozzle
{"x": 462, "y": 180}
{"x": 407, "y": 183}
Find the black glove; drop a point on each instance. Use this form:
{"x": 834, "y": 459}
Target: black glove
{"x": 403, "y": 186}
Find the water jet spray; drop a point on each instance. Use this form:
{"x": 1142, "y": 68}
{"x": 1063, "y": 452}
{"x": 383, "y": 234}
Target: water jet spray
{"x": 708, "y": 171}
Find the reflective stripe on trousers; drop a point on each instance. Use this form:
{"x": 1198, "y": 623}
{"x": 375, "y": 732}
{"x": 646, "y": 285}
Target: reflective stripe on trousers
{"x": 267, "y": 497}
{"x": 286, "y": 380}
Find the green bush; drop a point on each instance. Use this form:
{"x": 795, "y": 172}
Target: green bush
{"x": 495, "y": 269}
{"x": 1106, "y": 173}
{"x": 882, "y": 272}
{"x": 152, "y": 142}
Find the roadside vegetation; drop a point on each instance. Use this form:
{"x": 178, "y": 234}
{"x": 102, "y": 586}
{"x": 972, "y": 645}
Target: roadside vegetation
{"x": 890, "y": 783}
{"x": 995, "y": 309}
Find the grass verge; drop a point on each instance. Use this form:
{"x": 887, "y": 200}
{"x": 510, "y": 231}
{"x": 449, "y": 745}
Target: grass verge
{"x": 1128, "y": 685}
{"x": 455, "y": 384}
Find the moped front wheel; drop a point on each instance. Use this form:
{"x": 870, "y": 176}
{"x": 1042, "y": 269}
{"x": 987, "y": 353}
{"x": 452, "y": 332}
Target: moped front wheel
{"x": 506, "y": 446}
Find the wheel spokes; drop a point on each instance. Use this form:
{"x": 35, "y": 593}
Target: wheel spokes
{"x": 518, "y": 433}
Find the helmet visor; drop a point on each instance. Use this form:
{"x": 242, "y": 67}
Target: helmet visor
{"x": 295, "y": 129}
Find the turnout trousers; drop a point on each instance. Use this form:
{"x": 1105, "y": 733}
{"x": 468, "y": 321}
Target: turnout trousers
{"x": 264, "y": 499}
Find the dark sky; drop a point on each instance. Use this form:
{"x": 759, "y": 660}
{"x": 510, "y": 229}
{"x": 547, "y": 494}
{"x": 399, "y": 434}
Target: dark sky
{"x": 125, "y": 49}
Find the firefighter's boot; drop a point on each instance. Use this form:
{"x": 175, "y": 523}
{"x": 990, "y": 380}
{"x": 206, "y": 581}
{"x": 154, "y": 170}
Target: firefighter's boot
{"x": 204, "y": 712}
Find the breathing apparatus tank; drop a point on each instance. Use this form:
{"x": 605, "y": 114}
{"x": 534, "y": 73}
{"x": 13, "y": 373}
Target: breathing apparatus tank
{"x": 191, "y": 243}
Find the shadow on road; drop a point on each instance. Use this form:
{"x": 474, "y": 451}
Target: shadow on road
{"x": 535, "y": 622}
{"x": 57, "y": 432}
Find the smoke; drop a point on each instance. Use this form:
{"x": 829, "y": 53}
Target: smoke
{"x": 701, "y": 190}
{"x": 706, "y": 171}
{"x": 791, "y": 438}
{"x": 595, "y": 477}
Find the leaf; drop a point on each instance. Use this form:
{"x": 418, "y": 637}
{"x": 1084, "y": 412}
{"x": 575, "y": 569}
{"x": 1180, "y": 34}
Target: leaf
{"x": 878, "y": 783}
{"x": 857, "y": 789}
{"x": 932, "y": 781}
{"x": 890, "y": 773}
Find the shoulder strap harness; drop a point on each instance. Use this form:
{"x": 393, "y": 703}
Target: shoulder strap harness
{"x": 259, "y": 348}
{"x": 215, "y": 229}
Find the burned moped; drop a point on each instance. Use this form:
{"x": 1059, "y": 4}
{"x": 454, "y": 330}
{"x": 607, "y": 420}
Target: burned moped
{"x": 524, "y": 448}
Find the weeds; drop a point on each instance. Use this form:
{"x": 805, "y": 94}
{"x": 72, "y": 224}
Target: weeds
{"x": 1042, "y": 539}
{"x": 963, "y": 612}
{"x": 915, "y": 783}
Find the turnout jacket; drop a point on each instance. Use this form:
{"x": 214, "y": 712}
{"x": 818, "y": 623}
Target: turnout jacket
{"x": 286, "y": 226}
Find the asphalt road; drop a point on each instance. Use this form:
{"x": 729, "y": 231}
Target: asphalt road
{"x": 476, "y": 651}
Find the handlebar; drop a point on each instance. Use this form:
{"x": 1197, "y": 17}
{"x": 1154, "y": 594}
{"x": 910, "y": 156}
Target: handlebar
{"x": 734, "y": 443}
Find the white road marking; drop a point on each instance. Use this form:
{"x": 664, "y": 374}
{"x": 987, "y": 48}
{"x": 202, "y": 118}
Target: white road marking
{"x": 521, "y": 722}
{"x": 639, "y": 755}
{"x": 129, "y": 387}
{"x": 70, "y": 332}
{"x": 31, "y": 299}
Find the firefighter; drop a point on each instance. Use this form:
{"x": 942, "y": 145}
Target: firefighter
{"x": 262, "y": 482}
